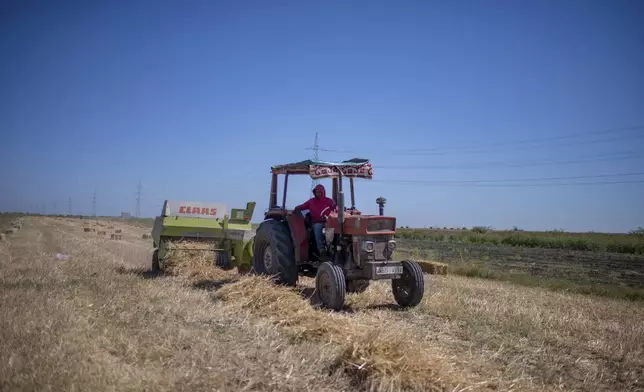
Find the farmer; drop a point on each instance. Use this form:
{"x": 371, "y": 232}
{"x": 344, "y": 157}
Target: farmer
{"x": 319, "y": 207}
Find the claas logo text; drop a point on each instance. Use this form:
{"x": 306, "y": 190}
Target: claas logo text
{"x": 197, "y": 210}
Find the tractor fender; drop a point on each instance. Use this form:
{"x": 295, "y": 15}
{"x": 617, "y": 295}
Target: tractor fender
{"x": 299, "y": 235}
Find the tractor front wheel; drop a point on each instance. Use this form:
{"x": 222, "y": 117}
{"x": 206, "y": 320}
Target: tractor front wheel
{"x": 409, "y": 289}
{"x": 274, "y": 253}
{"x": 330, "y": 285}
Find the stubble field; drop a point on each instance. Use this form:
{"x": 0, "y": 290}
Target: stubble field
{"x": 99, "y": 320}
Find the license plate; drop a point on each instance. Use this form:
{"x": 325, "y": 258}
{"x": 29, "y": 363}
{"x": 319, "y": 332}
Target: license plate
{"x": 389, "y": 270}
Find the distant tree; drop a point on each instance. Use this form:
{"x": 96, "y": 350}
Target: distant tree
{"x": 638, "y": 231}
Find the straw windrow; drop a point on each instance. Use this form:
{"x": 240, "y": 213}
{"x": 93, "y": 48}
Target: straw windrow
{"x": 380, "y": 359}
{"x": 194, "y": 264}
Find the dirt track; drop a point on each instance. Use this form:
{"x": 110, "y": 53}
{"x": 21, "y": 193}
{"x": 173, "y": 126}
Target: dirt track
{"x": 100, "y": 321}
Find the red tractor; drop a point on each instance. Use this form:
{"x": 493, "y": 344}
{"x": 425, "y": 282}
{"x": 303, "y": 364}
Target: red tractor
{"x": 357, "y": 248}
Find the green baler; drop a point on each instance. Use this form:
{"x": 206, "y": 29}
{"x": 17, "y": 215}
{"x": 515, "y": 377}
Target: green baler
{"x": 205, "y": 226}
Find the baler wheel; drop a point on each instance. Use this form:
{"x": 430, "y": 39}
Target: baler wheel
{"x": 155, "y": 261}
{"x": 222, "y": 260}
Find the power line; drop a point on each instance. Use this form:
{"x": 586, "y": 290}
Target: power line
{"x": 474, "y": 150}
{"x": 70, "y": 206}
{"x": 517, "y": 145}
{"x": 517, "y": 185}
{"x": 483, "y": 165}
{"x": 538, "y": 140}
{"x": 440, "y": 182}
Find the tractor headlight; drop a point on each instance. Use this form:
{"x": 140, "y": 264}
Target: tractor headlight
{"x": 367, "y": 246}
{"x": 391, "y": 245}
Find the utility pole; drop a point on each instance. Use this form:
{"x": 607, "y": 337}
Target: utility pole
{"x": 138, "y": 200}
{"x": 70, "y": 206}
{"x": 316, "y": 156}
{"x": 94, "y": 204}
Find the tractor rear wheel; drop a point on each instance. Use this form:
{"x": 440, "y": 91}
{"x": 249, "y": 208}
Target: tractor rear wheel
{"x": 357, "y": 285}
{"x": 274, "y": 253}
{"x": 330, "y": 285}
{"x": 408, "y": 290}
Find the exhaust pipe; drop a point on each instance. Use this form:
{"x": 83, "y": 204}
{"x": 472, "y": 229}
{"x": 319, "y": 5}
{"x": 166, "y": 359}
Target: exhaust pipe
{"x": 381, "y": 201}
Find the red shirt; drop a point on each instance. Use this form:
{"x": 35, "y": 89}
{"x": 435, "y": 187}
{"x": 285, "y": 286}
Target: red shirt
{"x": 318, "y": 208}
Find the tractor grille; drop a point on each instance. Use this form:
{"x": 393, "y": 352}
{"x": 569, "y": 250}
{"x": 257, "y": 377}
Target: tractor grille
{"x": 375, "y": 225}
{"x": 379, "y": 252}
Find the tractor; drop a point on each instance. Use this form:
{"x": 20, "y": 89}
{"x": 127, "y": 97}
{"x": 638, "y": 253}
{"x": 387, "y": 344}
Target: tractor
{"x": 357, "y": 248}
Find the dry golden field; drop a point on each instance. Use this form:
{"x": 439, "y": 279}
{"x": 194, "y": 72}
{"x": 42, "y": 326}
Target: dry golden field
{"x": 100, "y": 321}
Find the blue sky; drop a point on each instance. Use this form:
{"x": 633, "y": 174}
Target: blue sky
{"x": 197, "y": 100}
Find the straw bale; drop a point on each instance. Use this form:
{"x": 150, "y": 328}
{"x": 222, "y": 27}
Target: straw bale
{"x": 433, "y": 267}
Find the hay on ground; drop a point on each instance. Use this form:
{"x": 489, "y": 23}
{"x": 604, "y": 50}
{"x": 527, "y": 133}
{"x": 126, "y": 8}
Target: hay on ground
{"x": 195, "y": 264}
{"x": 375, "y": 360}
{"x": 433, "y": 267}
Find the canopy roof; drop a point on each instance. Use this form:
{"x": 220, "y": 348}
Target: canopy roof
{"x": 356, "y": 167}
